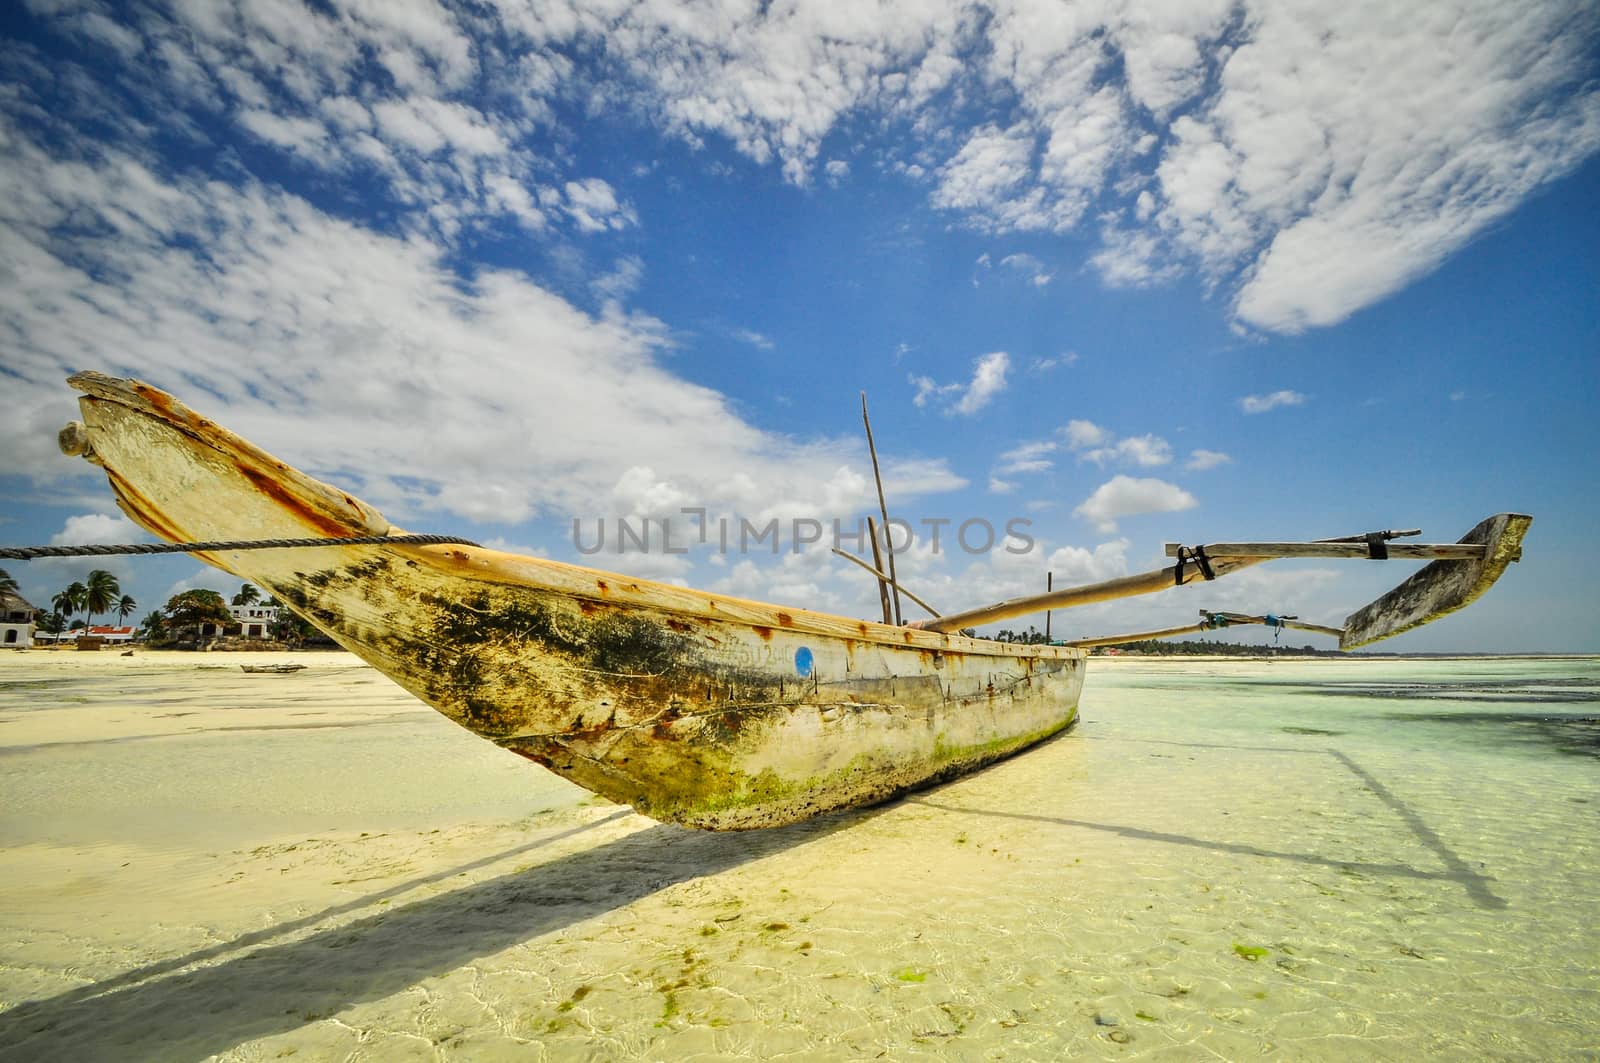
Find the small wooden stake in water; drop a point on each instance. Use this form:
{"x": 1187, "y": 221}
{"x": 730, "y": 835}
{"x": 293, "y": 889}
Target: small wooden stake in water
{"x": 1049, "y": 585}
{"x": 883, "y": 511}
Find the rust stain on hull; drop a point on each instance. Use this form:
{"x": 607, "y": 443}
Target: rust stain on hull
{"x": 697, "y": 709}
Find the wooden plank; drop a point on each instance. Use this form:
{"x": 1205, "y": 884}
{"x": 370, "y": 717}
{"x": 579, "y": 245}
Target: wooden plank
{"x": 1415, "y": 551}
{"x": 1442, "y": 587}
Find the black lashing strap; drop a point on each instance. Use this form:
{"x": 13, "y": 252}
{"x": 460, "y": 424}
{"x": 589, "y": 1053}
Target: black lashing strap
{"x": 1377, "y": 546}
{"x": 1198, "y": 556}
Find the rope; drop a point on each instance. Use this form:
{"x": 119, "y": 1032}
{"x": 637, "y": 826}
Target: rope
{"x": 29, "y": 553}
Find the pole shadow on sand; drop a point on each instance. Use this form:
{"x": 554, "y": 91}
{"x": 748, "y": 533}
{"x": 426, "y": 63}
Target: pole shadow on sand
{"x": 171, "y": 1011}
{"x": 1456, "y": 869}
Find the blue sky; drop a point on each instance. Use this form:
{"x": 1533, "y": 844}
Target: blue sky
{"x": 1128, "y": 273}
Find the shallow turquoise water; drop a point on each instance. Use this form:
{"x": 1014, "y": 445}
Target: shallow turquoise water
{"x": 1302, "y": 860}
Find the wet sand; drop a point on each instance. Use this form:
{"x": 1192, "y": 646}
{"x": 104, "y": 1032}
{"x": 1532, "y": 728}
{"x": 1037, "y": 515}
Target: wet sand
{"x": 1226, "y": 859}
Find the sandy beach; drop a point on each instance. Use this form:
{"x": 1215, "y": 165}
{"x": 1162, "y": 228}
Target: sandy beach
{"x": 1226, "y": 859}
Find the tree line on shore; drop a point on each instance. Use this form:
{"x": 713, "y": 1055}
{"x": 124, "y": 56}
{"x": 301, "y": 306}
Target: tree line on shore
{"x": 182, "y": 619}
{"x": 98, "y": 594}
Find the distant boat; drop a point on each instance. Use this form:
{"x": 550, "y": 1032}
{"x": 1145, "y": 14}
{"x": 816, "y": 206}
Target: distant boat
{"x": 277, "y": 669}
{"x": 695, "y": 708}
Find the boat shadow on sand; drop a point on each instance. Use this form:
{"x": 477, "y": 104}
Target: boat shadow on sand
{"x": 173, "y": 1010}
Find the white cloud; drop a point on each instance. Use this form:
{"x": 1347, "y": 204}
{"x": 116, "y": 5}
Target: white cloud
{"x": 1200, "y": 460}
{"x": 1263, "y": 403}
{"x": 326, "y": 343}
{"x": 929, "y": 391}
{"x": 593, "y": 204}
{"x": 85, "y": 529}
{"x": 89, "y": 529}
{"x": 1044, "y": 365}
{"x": 1034, "y": 269}
{"x": 1082, "y": 434}
{"x": 1305, "y": 160}
{"x": 1094, "y": 443}
{"x": 623, "y": 280}
{"x": 1146, "y": 450}
{"x": 988, "y": 380}
{"x": 1029, "y": 457}
{"x": 1125, "y": 496}
{"x": 753, "y": 338}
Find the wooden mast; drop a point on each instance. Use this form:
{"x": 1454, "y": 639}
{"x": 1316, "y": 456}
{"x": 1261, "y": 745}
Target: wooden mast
{"x": 883, "y": 511}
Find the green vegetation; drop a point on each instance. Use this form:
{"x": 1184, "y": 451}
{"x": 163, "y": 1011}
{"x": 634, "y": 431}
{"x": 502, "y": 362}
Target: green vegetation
{"x": 187, "y": 611}
{"x": 101, "y": 593}
{"x": 1253, "y": 953}
{"x": 1212, "y": 648}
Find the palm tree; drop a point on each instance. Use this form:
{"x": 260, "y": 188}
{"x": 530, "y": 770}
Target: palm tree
{"x": 8, "y": 585}
{"x": 125, "y": 607}
{"x": 70, "y": 600}
{"x": 101, "y": 593}
{"x": 247, "y": 595}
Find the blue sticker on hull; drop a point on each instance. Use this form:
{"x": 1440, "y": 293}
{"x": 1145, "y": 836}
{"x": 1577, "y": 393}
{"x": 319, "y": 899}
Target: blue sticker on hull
{"x": 803, "y": 661}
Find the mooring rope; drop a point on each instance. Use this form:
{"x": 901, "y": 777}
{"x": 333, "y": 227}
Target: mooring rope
{"x": 29, "y": 553}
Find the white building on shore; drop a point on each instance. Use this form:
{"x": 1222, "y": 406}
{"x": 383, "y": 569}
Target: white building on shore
{"x": 16, "y": 621}
{"x": 255, "y": 620}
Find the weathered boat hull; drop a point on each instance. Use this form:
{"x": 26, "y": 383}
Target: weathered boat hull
{"x": 695, "y": 708}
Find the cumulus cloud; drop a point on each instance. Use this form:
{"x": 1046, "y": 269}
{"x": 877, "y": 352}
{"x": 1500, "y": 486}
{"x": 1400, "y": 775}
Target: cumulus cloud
{"x": 1263, "y": 403}
{"x": 1126, "y": 496}
{"x": 324, "y": 342}
{"x": 91, "y": 528}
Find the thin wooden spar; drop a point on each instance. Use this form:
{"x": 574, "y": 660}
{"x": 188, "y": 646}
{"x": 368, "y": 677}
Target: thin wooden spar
{"x": 877, "y": 568}
{"x": 883, "y": 511}
{"x": 883, "y": 580}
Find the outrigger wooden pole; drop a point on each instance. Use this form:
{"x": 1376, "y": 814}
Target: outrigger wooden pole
{"x": 883, "y": 511}
{"x": 1208, "y": 624}
{"x": 1460, "y": 573}
{"x": 1126, "y": 587}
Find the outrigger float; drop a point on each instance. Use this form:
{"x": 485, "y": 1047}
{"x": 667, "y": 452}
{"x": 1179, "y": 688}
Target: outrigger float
{"x": 695, "y": 708}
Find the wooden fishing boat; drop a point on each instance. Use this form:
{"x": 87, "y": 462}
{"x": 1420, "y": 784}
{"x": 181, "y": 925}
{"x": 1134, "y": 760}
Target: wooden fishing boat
{"x": 695, "y": 708}
{"x": 271, "y": 669}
